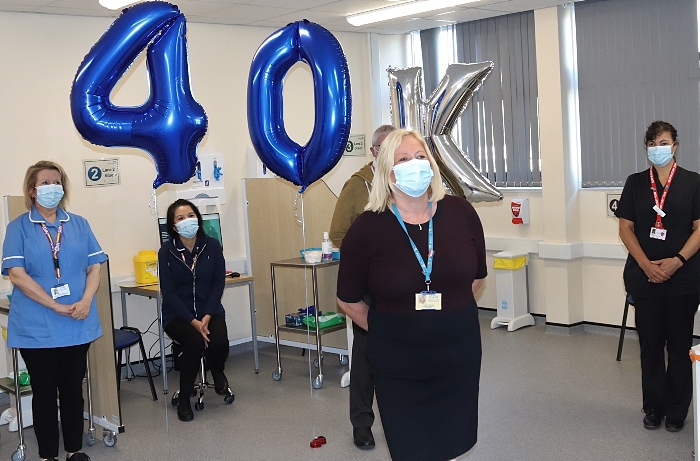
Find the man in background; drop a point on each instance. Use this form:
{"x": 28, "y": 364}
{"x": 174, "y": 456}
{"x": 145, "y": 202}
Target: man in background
{"x": 351, "y": 203}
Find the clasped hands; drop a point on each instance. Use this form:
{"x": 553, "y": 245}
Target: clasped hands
{"x": 202, "y": 326}
{"x": 78, "y": 311}
{"x": 661, "y": 270}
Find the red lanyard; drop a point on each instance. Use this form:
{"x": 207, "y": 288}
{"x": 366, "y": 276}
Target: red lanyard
{"x": 55, "y": 247}
{"x": 660, "y": 204}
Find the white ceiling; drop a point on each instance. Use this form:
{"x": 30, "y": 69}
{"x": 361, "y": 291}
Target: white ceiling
{"x": 278, "y": 13}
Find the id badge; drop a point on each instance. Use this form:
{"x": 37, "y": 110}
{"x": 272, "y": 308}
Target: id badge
{"x": 60, "y": 291}
{"x": 658, "y": 234}
{"x": 428, "y": 301}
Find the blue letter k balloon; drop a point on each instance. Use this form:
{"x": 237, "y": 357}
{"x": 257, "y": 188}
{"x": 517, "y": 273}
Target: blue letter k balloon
{"x": 170, "y": 124}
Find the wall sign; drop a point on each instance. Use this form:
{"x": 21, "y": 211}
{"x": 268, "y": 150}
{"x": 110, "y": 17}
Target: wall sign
{"x": 612, "y": 200}
{"x": 355, "y": 146}
{"x": 102, "y": 172}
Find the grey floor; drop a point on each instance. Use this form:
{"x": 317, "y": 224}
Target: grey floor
{"x": 544, "y": 396}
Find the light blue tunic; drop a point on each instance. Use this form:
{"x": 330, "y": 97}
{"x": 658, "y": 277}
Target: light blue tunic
{"x": 30, "y": 324}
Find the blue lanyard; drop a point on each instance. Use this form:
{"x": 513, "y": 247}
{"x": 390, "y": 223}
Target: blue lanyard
{"x": 427, "y": 269}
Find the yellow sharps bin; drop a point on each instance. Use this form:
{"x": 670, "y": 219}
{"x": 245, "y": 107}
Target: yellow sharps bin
{"x": 146, "y": 267}
{"x": 511, "y": 291}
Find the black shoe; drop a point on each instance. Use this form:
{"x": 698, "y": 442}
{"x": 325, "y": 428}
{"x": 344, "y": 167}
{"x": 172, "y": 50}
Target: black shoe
{"x": 220, "y": 382}
{"x": 78, "y": 456}
{"x": 184, "y": 411}
{"x": 652, "y": 420}
{"x": 674, "y": 425}
{"x": 363, "y": 438}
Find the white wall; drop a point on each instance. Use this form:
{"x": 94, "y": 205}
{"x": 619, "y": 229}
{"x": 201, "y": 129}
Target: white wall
{"x": 39, "y": 56}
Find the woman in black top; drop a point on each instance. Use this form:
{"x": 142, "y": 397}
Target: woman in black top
{"x": 191, "y": 275}
{"x": 413, "y": 244}
{"x": 659, "y": 215}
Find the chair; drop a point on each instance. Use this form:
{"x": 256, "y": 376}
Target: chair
{"x": 628, "y": 302}
{"x": 201, "y": 386}
{"x": 124, "y": 338}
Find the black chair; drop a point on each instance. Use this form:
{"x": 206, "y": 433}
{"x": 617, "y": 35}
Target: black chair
{"x": 628, "y": 302}
{"x": 124, "y": 338}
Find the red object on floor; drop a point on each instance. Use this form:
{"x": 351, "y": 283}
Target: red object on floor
{"x": 318, "y": 442}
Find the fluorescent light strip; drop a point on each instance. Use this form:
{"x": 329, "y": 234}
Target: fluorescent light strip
{"x": 402, "y": 10}
{"x": 117, "y": 4}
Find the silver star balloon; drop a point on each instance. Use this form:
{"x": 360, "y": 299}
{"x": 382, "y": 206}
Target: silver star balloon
{"x": 435, "y": 119}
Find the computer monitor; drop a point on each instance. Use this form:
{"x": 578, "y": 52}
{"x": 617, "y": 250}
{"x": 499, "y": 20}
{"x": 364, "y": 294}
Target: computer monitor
{"x": 212, "y": 227}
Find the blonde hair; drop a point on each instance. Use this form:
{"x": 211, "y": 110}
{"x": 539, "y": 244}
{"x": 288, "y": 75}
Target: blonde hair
{"x": 382, "y": 195}
{"x": 30, "y": 181}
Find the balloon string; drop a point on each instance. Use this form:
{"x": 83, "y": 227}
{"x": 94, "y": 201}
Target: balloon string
{"x": 308, "y": 329}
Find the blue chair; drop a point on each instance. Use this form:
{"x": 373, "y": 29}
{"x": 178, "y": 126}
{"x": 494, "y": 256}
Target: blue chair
{"x": 628, "y": 302}
{"x": 124, "y": 338}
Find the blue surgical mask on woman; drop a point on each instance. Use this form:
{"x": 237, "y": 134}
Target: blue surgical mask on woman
{"x": 49, "y": 195}
{"x": 659, "y": 155}
{"x": 413, "y": 177}
{"x": 187, "y": 227}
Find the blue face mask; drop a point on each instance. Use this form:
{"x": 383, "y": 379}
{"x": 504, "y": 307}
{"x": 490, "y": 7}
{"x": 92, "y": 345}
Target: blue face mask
{"x": 187, "y": 227}
{"x": 413, "y": 177}
{"x": 49, "y": 195}
{"x": 659, "y": 155}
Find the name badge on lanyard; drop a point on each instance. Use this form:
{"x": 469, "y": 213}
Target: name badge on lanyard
{"x": 657, "y": 231}
{"x": 428, "y": 299}
{"x": 59, "y": 290}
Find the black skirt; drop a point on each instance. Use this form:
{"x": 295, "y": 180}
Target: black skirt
{"x": 426, "y": 369}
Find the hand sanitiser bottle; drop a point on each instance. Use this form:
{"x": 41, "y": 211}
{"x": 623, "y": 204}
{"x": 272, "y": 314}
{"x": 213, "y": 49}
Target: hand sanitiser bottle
{"x": 326, "y": 248}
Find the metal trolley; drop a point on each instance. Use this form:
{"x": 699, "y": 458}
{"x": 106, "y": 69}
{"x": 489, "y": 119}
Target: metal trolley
{"x": 318, "y": 361}
{"x": 13, "y": 386}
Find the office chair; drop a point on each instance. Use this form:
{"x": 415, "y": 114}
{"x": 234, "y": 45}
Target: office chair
{"x": 201, "y": 386}
{"x": 628, "y": 302}
{"x": 124, "y": 338}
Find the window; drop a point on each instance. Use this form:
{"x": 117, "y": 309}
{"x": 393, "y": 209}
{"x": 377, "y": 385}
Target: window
{"x": 499, "y": 130}
{"x": 637, "y": 63}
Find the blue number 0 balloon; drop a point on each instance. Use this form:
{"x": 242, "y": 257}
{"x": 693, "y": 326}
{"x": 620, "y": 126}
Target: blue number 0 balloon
{"x": 311, "y": 43}
{"x": 170, "y": 124}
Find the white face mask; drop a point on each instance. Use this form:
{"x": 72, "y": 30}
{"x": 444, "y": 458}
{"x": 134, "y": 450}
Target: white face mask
{"x": 413, "y": 177}
{"x": 49, "y": 195}
{"x": 660, "y": 155}
{"x": 187, "y": 227}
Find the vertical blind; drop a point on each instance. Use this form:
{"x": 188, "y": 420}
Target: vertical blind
{"x": 637, "y": 63}
{"x": 500, "y": 126}
{"x": 499, "y": 129}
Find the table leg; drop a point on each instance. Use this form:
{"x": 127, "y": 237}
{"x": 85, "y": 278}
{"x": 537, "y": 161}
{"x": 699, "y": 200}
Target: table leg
{"x": 277, "y": 374}
{"x": 161, "y": 338}
{"x": 253, "y": 326}
{"x": 318, "y": 382}
{"x": 127, "y": 356}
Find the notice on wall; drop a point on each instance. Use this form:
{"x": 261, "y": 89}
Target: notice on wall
{"x": 102, "y": 172}
{"x": 612, "y": 200}
{"x": 355, "y": 146}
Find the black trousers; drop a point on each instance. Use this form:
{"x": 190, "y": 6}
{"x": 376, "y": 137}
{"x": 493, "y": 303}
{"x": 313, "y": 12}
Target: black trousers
{"x": 53, "y": 370}
{"x": 666, "y": 323}
{"x": 361, "y": 381}
{"x": 192, "y": 344}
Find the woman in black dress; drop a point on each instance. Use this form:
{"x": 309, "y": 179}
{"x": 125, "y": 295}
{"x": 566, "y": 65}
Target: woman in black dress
{"x": 419, "y": 255}
{"x": 659, "y": 215}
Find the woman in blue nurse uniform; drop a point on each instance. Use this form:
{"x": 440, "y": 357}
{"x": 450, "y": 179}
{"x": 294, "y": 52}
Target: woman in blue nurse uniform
{"x": 53, "y": 261}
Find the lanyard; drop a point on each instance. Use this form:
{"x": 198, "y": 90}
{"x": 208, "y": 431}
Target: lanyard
{"x": 660, "y": 204}
{"x": 55, "y": 248}
{"x": 427, "y": 269}
{"x": 194, "y": 259}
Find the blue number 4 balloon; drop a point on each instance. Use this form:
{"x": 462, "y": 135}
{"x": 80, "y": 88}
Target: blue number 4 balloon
{"x": 170, "y": 124}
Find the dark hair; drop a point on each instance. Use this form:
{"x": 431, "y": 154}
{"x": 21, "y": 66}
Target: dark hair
{"x": 657, "y": 128}
{"x": 170, "y": 217}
